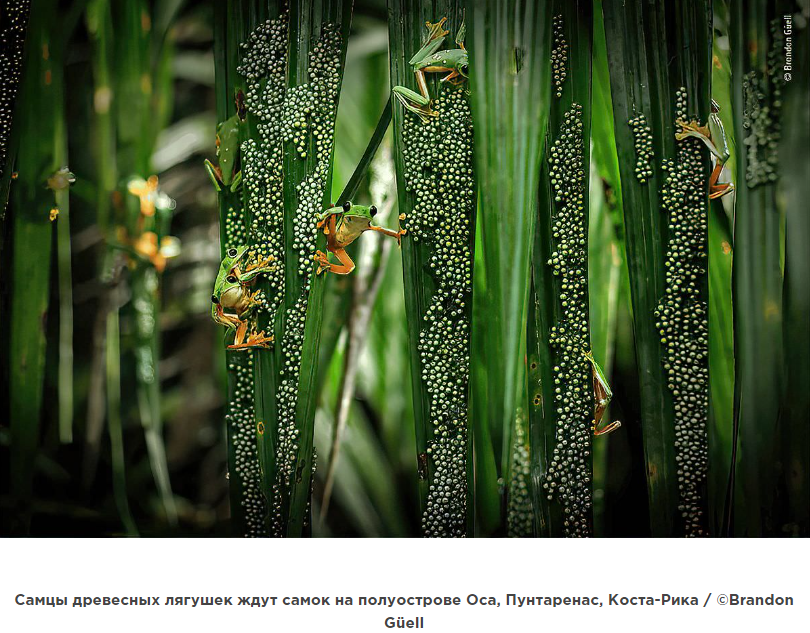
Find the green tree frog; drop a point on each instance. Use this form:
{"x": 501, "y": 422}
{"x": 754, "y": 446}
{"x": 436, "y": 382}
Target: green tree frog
{"x": 429, "y": 59}
{"x": 712, "y": 133}
{"x": 232, "y": 303}
{"x": 342, "y": 225}
{"x": 227, "y": 175}
{"x": 602, "y": 396}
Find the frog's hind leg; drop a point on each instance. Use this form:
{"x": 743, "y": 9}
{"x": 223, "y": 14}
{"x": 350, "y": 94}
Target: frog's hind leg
{"x": 608, "y": 428}
{"x": 414, "y": 102}
{"x": 346, "y": 264}
{"x": 239, "y": 337}
{"x": 246, "y": 340}
{"x": 215, "y": 174}
{"x": 715, "y": 190}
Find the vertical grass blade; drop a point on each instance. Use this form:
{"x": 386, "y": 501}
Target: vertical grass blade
{"x": 510, "y": 83}
{"x": 795, "y": 185}
{"x": 654, "y": 50}
{"x": 31, "y": 202}
{"x": 296, "y": 61}
{"x": 113, "y": 377}
{"x": 607, "y": 268}
{"x": 99, "y": 28}
{"x": 12, "y": 46}
{"x": 141, "y": 91}
{"x": 247, "y": 502}
{"x": 436, "y": 192}
{"x": 560, "y": 422}
{"x": 369, "y": 277}
{"x": 756, "y": 28}
{"x": 721, "y": 324}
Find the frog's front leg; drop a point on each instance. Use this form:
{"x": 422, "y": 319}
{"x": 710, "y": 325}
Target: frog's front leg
{"x": 219, "y": 316}
{"x": 236, "y": 183}
{"x": 701, "y": 133}
{"x": 704, "y": 134}
{"x": 255, "y": 269}
{"x": 397, "y": 234}
{"x": 215, "y": 174}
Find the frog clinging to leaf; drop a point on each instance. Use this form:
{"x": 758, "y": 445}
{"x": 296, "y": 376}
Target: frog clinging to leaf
{"x": 342, "y": 225}
{"x": 233, "y": 303}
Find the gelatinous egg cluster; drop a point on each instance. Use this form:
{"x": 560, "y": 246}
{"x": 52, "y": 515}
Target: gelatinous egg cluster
{"x": 239, "y": 414}
{"x": 643, "y": 143}
{"x": 12, "y": 43}
{"x": 264, "y": 66}
{"x": 242, "y": 430}
{"x": 559, "y": 55}
{"x": 519, "y": 513}
{"x": 568, "y": 476}
{"x": 761, "y": 119}
{"x": 302, "y": 116}
{"x": 439, "y": 173}
{"x": 682, "y": 316}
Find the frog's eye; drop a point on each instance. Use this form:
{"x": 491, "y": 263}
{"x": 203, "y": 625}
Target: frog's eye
{"x": 231, "y": 252}
{"x": 373, "y": 210}
{"x": 214, "y": 299}
{"x": 464, "y": 70}
{"x": 347, "y": 206}
{"x": 231, "y": 279}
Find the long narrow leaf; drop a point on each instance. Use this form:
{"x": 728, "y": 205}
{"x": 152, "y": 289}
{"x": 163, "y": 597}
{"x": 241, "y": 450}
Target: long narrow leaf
{"x": 436, "y": 190}
{"x": 654, "y": 51}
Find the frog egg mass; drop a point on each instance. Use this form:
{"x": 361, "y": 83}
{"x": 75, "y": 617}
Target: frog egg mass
{"x": 439, "y": 174}
{"x": 568, "y": 474}
{"x": 302, "y": 116}
{"x": 12, "y": 39}
{"x": 643, "y": 143}
{"x": 519, "y": 513}
{"x": 559, "y": 55}
{"x": 682, "y": 317}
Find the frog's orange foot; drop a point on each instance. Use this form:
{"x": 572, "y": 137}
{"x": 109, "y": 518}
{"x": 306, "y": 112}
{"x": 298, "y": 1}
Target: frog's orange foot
{"x": 260, "y": 264}
{"x": 254, "y": 340}
{"x": 608, "y": 428}
{"x": 718, "y": 191}
{"x": 323, "y": 262}
{"x": 690, "y": 127}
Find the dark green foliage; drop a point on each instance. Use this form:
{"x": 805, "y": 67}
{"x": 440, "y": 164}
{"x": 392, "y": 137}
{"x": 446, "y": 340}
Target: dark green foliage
{"x": 436, "y": 192}
{"x": 510, "y": 44}
{"x": 551, "y": 213}
{"x": 758, "y": 92}
{"x": 653, "y": 51}
{"x": 561, "y": 399}
{"x": 30, "y": 205}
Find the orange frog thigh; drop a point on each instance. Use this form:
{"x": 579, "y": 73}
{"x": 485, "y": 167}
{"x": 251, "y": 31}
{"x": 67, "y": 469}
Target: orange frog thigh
{"x": 346, "y": 264}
